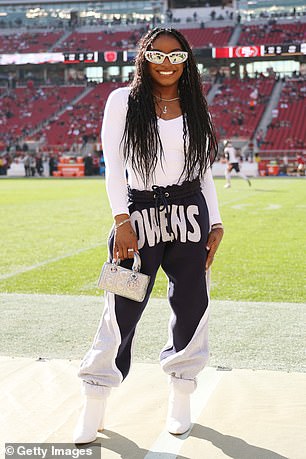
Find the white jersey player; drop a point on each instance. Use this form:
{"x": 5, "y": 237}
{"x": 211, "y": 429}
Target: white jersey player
{"x": 232, "y": 163}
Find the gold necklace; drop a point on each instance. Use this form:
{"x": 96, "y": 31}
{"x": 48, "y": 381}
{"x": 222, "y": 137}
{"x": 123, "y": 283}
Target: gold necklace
{"x": 165, "y": 110}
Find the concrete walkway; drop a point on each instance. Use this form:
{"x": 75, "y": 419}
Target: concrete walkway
{"x": 239, "y": 414}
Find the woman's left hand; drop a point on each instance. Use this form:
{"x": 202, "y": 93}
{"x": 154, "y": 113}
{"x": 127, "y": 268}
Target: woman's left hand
{"x": 213, "y": 241}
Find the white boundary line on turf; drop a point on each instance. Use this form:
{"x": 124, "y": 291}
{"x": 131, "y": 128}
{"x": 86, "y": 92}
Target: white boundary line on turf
{"x": 47, "y": 262}
{"x": 171, "y": 444}
{"x": 153, "y": 300}
{"x": 238, "y": 199}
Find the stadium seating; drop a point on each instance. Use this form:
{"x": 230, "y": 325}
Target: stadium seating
{"x": 102, "y": 41}
{"x": 272, "y": 34}
{"x": 198, "y": 37}
{"x": 235, "y": 112}
{"x": 235, "y": 109}
{"x": 287, "y": 129}
{"x": 24, "y": 109}
{"x": 35, "y": 42}
{"x": 99, "y": 41}
{"x": 82, "y": 119}
{"x": 201, "y": 38}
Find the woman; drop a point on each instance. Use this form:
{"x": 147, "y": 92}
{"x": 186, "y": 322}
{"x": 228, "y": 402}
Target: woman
{"x": 158, "y": 131}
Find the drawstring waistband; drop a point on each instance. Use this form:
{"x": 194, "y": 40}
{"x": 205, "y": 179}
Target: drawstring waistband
{"x": 161, "y": 203}
{"x": 163, "y": 197}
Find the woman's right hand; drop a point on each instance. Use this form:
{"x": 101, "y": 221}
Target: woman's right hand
{"x": 125, "y": 239}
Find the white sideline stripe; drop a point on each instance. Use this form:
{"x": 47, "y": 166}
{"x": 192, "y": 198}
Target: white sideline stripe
{"x": 153, "y": 300}
{"x": 171, "y": 444}
{"x": 238, "y": 199}
{"x": 46, "y": 262}
{"x": 226, "y": 203}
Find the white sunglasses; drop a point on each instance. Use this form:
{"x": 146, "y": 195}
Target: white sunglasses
{"x": 158, "y": 57}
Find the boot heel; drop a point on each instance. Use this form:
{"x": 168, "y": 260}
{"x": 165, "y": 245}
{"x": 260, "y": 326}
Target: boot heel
{"x": 101, "y": 423}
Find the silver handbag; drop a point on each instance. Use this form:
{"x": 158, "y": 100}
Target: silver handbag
{"x": 130, "y": 283}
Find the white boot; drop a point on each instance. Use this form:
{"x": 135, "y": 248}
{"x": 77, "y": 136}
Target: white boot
{"x": 179, "y": 416}
{"x": 91, "y": 420}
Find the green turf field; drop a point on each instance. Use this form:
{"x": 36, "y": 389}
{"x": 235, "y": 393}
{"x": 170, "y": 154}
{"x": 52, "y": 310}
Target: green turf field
{"x": 54, "y": 238}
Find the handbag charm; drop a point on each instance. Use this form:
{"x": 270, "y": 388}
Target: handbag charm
{"x": 129, "y": 283}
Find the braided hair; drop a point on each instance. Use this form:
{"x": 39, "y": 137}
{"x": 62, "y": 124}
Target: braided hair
{"x": 141, "y": 141}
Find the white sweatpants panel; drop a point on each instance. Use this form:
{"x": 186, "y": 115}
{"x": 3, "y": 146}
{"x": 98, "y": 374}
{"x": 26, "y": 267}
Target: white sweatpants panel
{"x": 98, "y": 366}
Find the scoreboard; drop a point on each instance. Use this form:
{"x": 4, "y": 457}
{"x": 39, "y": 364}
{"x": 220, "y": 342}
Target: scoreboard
{"x": 78, "y": 58}
{"x": 230, "y": 52}
{"x": 285, "y": 50}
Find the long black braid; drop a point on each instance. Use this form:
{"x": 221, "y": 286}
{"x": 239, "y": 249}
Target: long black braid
{"x": 141, "y": 141}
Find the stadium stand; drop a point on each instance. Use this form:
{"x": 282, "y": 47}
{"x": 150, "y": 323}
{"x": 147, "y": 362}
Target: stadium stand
{"x": 287, "y": 128}
{"x": 99, "y": 41}
{"x": 272, "y": 34}
{"x": 79, "y": 41}
{"x": 79, "y": 121}
{"x": 234, "y": 115}
{"x": 23, "y": 109}
{"x": 60, "y": 106}
{"x": 35, "y": 42}
{"x": 238, "y": 106}
{"x": 207, "y": 37}
{"x": 103, "y": 41}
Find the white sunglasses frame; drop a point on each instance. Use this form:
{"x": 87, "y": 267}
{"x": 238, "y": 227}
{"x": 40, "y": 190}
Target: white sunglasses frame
{"x": 147, "y": 53}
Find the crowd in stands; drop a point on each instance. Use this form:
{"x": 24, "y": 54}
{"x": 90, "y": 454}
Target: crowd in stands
{"x": 239, "y": 104}
{"x": 37, "y": 42}
{"x": 199, "y": 36}
{"x": 52, "y": 116}
{"x": 23, "y": 109}
{"x": 273, "y": 34}
{"x": 79, "y": 123}
{"x": 60, "y": 118}
{"x": 103, "y": 41}
{"x": 287, "y": 127}
{"x": 100, "y": 41}
{"x": 210, "y": 36}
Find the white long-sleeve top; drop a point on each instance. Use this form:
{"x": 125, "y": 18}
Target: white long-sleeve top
{"x": 166, "y": 173}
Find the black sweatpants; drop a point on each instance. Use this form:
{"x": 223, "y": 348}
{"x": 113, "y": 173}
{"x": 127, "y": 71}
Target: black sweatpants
{"x": 181, "y": 252}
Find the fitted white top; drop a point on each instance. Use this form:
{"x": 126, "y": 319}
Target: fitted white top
{"x": 167, "y": 171}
